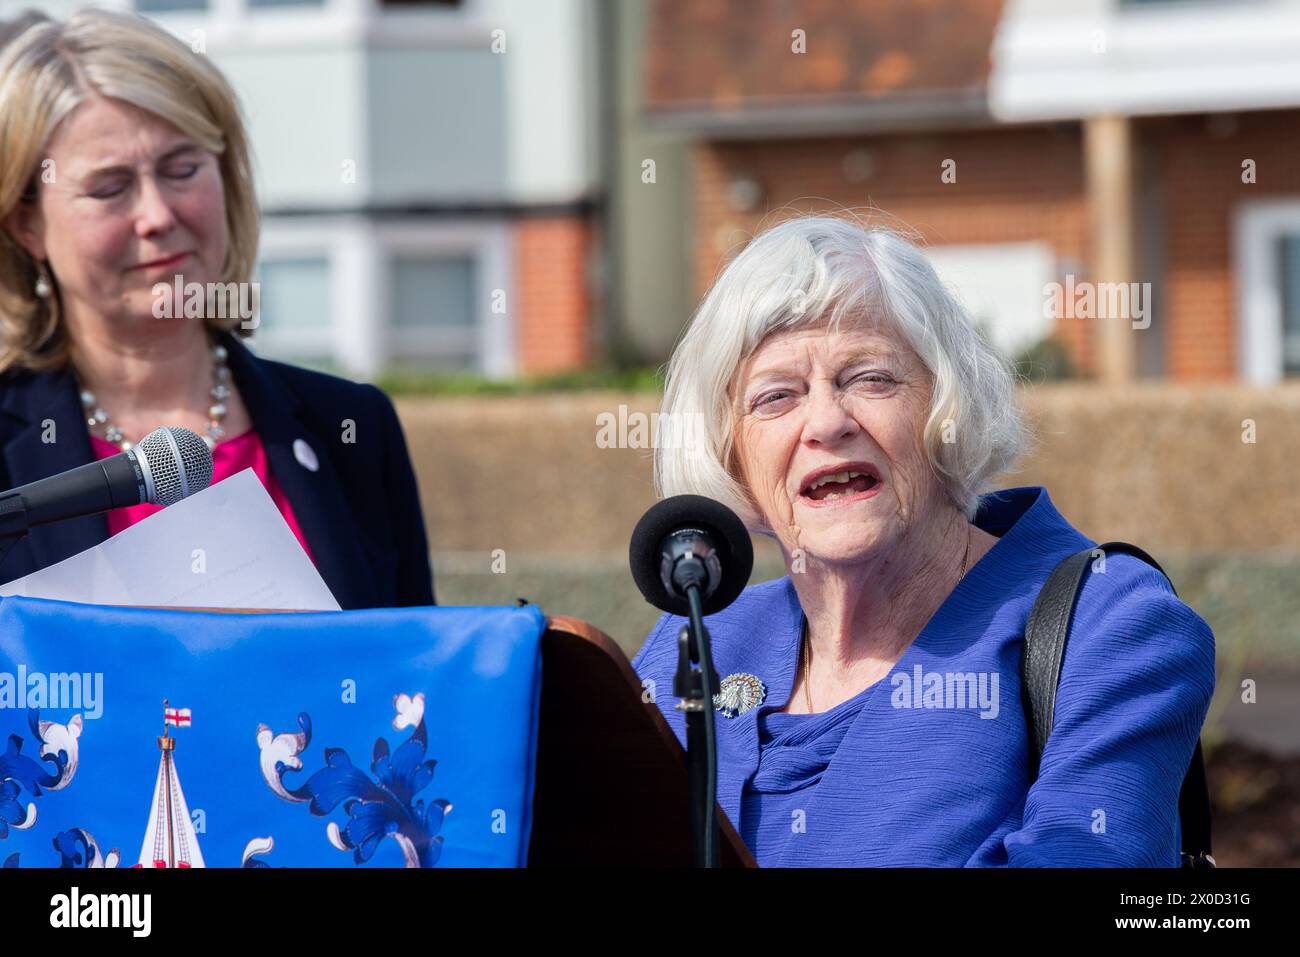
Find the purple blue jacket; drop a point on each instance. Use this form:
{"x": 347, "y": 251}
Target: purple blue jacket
{"x": 929, "y": 765}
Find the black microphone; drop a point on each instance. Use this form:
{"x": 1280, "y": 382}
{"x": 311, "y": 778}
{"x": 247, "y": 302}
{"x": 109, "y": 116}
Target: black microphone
{"x": 164, "y": 467}
{"x": 692, "y": 556}
{"x": 684, "y": 527}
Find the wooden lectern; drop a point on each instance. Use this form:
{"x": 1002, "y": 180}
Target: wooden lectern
{"x": 611, "y": 787}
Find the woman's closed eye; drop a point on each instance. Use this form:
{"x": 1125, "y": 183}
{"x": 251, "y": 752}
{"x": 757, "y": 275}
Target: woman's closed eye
{"x": 182, "y": 171}
{"x": 113, "y": 190}
{"x": 109, "y": 191}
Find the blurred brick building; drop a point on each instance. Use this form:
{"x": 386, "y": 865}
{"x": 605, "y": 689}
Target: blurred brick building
{"x": 1029, "y": 143}
{"x": 430, "y": 174}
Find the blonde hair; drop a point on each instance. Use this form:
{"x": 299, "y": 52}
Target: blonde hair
{"x": 820, "y": 270}
{"x": 49, "y": 69}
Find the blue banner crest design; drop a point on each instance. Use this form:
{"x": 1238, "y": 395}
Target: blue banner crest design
{"x": 267, "y": 765}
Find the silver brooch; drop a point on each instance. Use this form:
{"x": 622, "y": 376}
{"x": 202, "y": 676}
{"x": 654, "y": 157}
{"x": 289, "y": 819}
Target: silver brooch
{"x": 739, "y": 693}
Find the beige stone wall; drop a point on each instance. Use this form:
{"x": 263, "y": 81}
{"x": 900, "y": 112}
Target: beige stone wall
{"x": 1162, "y": 466}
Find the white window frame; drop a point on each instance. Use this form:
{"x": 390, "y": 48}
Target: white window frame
{"x": 359, "y": 251}
{"x": 488, "y": 245}
{"x": 1258, "y": 225}
{"x": 292, "y": 241}
{"x": 238, "y": 24}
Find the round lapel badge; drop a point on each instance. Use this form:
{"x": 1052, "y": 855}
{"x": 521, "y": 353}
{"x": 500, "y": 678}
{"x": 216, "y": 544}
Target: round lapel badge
{"x": 305, "y": 456}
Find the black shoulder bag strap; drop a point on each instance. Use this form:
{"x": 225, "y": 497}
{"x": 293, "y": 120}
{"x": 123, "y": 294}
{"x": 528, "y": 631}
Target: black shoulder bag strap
{"x": 1040, "y": 673}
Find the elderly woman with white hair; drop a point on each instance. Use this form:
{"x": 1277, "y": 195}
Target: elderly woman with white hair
{"x": 855, "y": 415}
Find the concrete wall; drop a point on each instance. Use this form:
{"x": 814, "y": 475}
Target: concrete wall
{"x": 521, "y": 503}
{"x": 1164, "y": 467}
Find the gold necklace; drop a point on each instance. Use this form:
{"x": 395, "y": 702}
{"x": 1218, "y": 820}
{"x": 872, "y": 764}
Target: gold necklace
{"x": 807, "y": 680}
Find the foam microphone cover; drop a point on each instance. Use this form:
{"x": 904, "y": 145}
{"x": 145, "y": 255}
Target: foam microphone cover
{"x": 728, "y": 534}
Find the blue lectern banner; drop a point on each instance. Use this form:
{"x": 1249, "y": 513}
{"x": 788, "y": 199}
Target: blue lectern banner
{"x": 383, "y": 737}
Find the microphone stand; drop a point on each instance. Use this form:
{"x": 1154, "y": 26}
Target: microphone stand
{"x": 695, "y": 684}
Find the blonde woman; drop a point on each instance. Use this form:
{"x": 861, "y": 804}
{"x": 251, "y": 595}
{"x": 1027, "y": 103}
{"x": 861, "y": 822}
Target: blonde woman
{"x": 125, "y": 172}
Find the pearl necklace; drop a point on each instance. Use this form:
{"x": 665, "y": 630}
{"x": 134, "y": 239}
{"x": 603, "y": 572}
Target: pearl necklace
{"x": 98, "y": 421}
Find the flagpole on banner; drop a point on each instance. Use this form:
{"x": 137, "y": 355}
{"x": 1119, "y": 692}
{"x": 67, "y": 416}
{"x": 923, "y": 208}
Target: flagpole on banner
{"x": 165, "y": 743}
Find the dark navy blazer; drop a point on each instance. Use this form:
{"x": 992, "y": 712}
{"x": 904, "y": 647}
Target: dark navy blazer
{"x": 359, "y": 510}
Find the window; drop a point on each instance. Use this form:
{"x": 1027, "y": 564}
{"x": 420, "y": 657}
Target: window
{"x": 188, "y": 6}
{"x": 295, "y": 315}
{"x": 434, "y": 310}
{"x": 1289, "y": 280}
{"x": 170, "y": 6}
{"x": 1166, "y": 3}
{"x": 1266, "y": 261}
{"x": 1002, "y": 285}
{"x": 357, "y": 296}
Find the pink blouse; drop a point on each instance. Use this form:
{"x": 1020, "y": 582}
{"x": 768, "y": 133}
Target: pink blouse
{"x": 229, "y": 456}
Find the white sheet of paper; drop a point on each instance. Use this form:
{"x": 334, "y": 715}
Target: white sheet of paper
{"x": 250, "y": 558}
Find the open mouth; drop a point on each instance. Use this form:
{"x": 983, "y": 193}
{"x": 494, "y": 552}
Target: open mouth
{"x": 845, "y": 484}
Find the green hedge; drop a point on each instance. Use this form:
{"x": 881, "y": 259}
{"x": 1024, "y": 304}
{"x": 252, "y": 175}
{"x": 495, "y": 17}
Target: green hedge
{"x": 426, "y": 383}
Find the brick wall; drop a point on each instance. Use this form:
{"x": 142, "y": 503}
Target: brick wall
{"x": 1027, "y": 183}
{"x": 1012, "y": 185}
{"x": 1200, "y": 163}
{"x": 554, "y": 317}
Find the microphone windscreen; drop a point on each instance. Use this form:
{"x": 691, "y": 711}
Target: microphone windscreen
{"x": 727, "y": 532}
{"x": 177, "y": 463}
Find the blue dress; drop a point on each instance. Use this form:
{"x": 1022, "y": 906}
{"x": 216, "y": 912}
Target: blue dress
{"x": 928, "y": 766}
